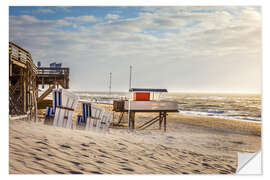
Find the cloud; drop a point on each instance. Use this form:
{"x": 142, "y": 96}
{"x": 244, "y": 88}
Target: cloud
{"x": 112, "y": 16}
{"x": 45, "y": 11}
{"x": 82, "y": 19}
{"x": 200, "y": 47}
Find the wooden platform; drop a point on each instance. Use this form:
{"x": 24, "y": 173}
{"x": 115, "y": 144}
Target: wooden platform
{"x": 145, "y": 106}
{"x": 49, "y": 76}
{"x": 132, "y": 107}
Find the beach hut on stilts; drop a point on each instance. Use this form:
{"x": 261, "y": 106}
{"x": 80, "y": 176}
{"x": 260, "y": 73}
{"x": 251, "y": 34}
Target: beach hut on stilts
{"x": 145, "y": 100}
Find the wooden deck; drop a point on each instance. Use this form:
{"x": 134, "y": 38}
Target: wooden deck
{"x": 48, "y": 75}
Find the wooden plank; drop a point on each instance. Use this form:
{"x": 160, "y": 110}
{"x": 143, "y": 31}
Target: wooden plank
{"x": 155, "y": 120}
{"x": 46, "y": 93}
{"x": 19, "y": 63}
{"x": 151, "y": 106}
{"x": 165, "y": 121}
{"x": 160, "y": 120}
{"x": 148, "y": 122}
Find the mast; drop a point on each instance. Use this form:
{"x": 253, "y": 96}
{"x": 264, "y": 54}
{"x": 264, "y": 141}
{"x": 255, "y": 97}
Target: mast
{"x": 130, "y": 74}
{"x": 110, "y": 85}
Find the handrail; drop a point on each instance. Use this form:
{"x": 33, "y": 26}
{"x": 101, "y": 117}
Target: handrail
{"x": 53, "y": 71}
{"x": 19, "y": 54}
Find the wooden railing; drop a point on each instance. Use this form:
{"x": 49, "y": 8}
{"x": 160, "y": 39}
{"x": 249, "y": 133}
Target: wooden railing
{"x": 47, "y": 71}
{"x": 21, "y": 55}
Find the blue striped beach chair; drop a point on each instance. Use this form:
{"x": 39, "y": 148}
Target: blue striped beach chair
{"x": 86, "y": 112}
{"x": 50, "y": 111}
{"x": 96, "y": 115}
{"x": 64, "y": 108}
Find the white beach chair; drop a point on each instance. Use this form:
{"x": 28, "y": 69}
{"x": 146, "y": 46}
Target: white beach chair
{"x": 64, "y": 112}
{"x": 96, "y": 115}
{"x": 104, "y": 122}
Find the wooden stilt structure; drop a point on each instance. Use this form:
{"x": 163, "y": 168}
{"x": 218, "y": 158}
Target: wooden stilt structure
{"x": 133, "y": 107}
{"x": 22, "y": 82}
{"x": 24, "y": 79}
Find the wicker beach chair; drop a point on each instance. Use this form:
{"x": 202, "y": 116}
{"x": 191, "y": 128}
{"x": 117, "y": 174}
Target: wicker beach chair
{"x": 64, "y": 112}
{"x": 96, "y": 115}
{"x": 105, "y": 122}
{"x": 50, "y": 111}
{"x": 85, "y": 113}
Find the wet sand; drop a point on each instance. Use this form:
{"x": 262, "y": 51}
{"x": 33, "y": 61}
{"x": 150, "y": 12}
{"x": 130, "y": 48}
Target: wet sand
{"x": 191, "y": 145}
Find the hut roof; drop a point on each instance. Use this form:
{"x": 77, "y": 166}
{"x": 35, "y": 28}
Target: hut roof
{"x": 147, "y": 89}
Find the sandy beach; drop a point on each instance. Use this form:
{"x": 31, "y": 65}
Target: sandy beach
{"x": 191, "y": 145}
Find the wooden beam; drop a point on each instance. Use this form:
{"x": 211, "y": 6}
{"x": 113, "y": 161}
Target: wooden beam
{"x": 155, "y": 120}
{"x": 19, "y": 63}
{"x": 46, "y": 93}
{"x": 148, "y": 122}
{"x": 160, "y": 120}
{"x": 132, "y": 120}
{"x": 165, "y": 119}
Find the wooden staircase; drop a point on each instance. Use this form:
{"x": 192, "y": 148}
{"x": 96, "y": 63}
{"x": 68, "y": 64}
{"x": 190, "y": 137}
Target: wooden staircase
{"x": 46, "y": 93}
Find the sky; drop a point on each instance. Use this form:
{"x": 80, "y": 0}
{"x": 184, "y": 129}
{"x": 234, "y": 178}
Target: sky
{"x": 182, "y": 48}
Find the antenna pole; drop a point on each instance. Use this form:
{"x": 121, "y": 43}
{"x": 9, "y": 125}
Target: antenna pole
{"x": 130, "y": 73}
{"x": 110, "y": 85}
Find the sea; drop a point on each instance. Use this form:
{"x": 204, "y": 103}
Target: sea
{"x": 246, "y": 107}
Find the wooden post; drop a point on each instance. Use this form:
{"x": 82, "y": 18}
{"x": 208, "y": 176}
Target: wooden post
{"x": 24, "y": 91}
{"x": 132, "y": 119}
{"x": 42, "y": 83}
{"x": 160, "y": 120}
{"x": 164, "y": 115}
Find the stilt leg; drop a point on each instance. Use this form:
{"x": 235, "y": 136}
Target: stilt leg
{"x": 160, "y": 120}
{"x": 132, "y": 120}
{"x": 165, "y": 119}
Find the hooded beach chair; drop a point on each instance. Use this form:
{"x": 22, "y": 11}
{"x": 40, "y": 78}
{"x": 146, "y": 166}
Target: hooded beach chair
{"x": 104, "y": 123}
{"x": 64, "y": 112}
{"x": 96, "y": 115}
{"x": 86, "y": 112}
{"x": 50, "y": 111}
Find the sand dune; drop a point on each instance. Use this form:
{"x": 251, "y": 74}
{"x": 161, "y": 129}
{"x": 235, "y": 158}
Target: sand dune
{"x": 35, "y": 148}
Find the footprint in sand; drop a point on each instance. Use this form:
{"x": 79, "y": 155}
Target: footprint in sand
{"x": 58, "y": 172}
{"x": 39, "y": 159}
{"x": 102, "y": 151}
{"x": 95, "y": 172}
{"x": 37, "y": 149}
{"x": 65, "y": 146}
{"x": 224, "y": 172}
{"x": 75, "y": 163}
{"x": 237, "y": 142}
{"x": 104, "y": 156}
{"x": 121, "y": 144}
{"x": 206, "y": 165}
{"x": 75, "y": 172}
{"x": 128, "y": 169}
{"x": 196, "y": 171}
{"x": 193, "y": 163}
{"x": 85, "y": 145}
{"x": 232, "y": 168}
{"x": 100, "y": 162}
{"x": 122, "y": 162}
{"x": 40, "y": 142}
{"x": 33, "y": 154}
